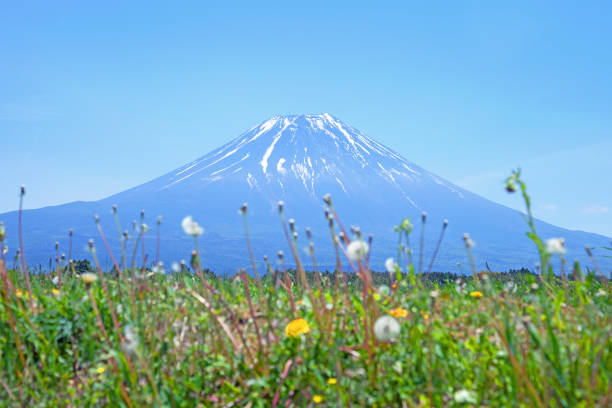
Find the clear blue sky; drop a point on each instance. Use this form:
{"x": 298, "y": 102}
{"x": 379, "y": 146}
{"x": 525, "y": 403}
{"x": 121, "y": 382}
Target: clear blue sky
{"x": 97, "y": 99}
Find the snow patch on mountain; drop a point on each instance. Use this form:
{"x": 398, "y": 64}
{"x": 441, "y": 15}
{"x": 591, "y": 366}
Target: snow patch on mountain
{"x": 279, "y": 166}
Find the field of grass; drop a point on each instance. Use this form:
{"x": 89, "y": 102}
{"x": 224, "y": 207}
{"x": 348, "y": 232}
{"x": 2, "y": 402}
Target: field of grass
{"x": 138, "y": 337}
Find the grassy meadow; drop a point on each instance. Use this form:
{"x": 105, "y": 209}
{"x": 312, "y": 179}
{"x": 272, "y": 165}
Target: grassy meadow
{"x": 139, "y": 336}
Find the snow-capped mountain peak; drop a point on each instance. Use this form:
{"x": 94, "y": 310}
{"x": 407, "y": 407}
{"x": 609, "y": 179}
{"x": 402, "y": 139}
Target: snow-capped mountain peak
{"x": 314, "y": 150}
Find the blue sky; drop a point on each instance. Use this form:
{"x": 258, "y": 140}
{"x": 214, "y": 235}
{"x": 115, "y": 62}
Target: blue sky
{"x": 99, "y": 98}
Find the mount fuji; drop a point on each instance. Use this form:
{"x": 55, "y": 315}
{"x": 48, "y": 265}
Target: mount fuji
{"x": 298, "y": 159}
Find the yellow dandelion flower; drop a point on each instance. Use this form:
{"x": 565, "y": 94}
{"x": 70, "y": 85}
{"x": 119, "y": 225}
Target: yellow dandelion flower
{"x": 425, "y": 315}
{"x": 89, "y": 277}
{"x": 55, "y": 292}
{"x": 476, "y": 294}
{"x": 332, "y": 381}
{"x": 297, "y": 327}
{"x": 398, "y": 312}
{"x": 317, "y": 399}
{"x": 19, "y": 293}
{"x": 100, "y": 369}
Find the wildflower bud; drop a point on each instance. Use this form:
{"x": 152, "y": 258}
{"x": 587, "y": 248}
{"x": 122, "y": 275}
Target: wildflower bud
{"x": 2, "y": 232}
{"x": 311, "y": 248}
{"x": 142, "y": 213}
{"x": 126, "y": 235}
{"x": 424, "y": 216}
{"x": 90, "y": 242}
{"x": 280, "y": 255}
{"x": 281, "y": 204}
{"x": 510, "y": 185}
{"x": 63, "y": 257}
{"x": 22, "y": 189}
{"x": 144, "y": 227}
{"x": 291, "y": 224}
{"x": 96, "y": 218}
{"x": 243, "y": 209}
{"x": 445, "y": 224}
{"x": 71, "y": 232}
{"x": 295, "y": 234}
{"x": 159, "y": 220}
{"x": 341, "y": 235}
{"x": 56, "y": 245}
{"x": 327, "y": 199}
{"x": 308, "y": 233}
{"x": 114, "y": 208}
{"x": 195, "y": 261}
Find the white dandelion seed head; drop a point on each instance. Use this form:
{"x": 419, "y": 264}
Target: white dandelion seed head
{"x": 555, "y": 246}
{"x": 469, "y": 243}
{"x": 89, "y": 277}
{"x": 465, "y": 397}
{"x": 191, "y": 227}
{"x": 386, "y": 329}
{"x": 159, "y": 268}
{"x": 176, "y": 267}
{"x": 130, "y": 340}
{"x": 357, "y": 249}
{"x": 390, "y": 265}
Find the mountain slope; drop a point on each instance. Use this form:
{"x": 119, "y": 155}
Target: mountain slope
{"x": 298, "y": 159}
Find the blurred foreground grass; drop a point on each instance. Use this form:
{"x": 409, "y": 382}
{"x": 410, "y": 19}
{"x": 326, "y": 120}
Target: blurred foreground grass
{"x": 137, "y": 337}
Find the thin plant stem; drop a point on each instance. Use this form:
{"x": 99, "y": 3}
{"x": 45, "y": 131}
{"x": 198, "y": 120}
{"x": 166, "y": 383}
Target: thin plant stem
{"x": 21, "y": 251}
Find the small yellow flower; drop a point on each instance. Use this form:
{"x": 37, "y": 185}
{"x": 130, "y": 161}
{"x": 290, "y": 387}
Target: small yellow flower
{"x": 476, "y": 294}
{"x": 297, "y": 327}
{"x": 398, "y": 312}
{"x": 89, "y": 277}
{"x": 100, "y": 369}
{"x": 55, "y": 292}
{"x": 317, "y": 399}
{"x": 332, "y": 381}
{"x": 425, "y": 315}
{"x": 19, "y": 293}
